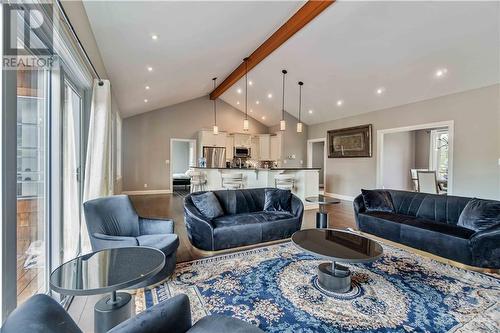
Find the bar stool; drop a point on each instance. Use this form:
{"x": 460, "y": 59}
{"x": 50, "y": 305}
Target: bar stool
{"x": 232, "y": 181}
{"x": 284, "y": 181}
{"x": 198, "y": 181}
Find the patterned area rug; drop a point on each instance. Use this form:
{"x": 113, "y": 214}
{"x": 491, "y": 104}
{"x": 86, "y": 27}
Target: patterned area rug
{"x": 275, "y": 288}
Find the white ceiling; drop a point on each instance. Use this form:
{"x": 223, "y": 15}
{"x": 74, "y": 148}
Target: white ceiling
{"x": 196, "y": 41}
{"x": 346, "y": 53}
{"x": 353, "y": 48}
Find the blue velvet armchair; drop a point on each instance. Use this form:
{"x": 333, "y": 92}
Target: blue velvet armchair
{"x": 42, "y": 314}
{"x": 113, "y": 222}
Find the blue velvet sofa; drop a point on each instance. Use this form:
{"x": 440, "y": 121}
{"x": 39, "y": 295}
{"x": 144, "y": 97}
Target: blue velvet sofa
{"x": 42, "y": 314}
{"x": 113, "y": 222}
{"x": 244, "y": 221}
{"x": 430, "y": 223}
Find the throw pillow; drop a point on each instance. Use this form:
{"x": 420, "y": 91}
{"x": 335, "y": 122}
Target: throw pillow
{"x": 277, "y": 200}
{"x": 377, "y": 201}
{"x": 208, "y": 205}
{"x": 480, "y": 214}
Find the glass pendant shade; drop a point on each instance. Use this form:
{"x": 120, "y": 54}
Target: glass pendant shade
{"x": 216, "y": 129}
{"x": 299, "y": 127}
{"x": 245, "y": 125}
{"x": 282, "y": 125}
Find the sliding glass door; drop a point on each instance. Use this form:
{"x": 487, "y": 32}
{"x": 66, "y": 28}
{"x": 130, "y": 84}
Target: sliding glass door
{"x": 32, "y": 189}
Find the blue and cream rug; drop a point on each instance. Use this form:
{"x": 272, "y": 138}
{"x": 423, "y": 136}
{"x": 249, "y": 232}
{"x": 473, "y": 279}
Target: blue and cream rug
{"x": 275, "y": 288}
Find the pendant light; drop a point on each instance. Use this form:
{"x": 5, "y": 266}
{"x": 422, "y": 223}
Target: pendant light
{"x": 216, "y": 128}
{"x": 245, "y": 121}
{"x": 283, "y": 122}
{"x": 299, "y": 124}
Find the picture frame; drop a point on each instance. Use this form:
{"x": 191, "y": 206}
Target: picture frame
{"x": 350, "y": 142}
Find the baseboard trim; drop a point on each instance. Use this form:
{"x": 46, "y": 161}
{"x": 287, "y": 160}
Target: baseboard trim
{"x": 147, "y": 192}
{"x": 340, "y": 196}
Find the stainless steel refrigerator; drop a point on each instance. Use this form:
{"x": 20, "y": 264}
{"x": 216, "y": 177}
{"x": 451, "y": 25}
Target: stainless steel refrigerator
{"x": 215, "y": 156}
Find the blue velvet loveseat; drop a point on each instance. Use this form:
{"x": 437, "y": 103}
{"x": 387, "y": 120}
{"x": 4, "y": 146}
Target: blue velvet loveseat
{"x": 462, "y": 229}
{"x": 244, "y": 219}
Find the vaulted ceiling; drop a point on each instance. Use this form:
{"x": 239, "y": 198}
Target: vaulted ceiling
{"x": 196, "y": 42}
{"x": 346, "y": 54}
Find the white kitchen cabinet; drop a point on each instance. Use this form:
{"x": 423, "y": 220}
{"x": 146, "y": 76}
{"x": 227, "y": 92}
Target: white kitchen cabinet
{"x": 229, "y": 147}
{"x": 255, "y": 148}
{"x": 208, "y": 138}
{"x": 264, "y": 147}
{"x": 242, "y": 140}
{"x": 275, "y": 150}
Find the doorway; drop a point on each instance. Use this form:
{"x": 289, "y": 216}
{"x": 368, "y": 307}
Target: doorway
{"x": 407, "y": 152}
{"x": 316, "y": 158}
{"x": 182, "y": 157}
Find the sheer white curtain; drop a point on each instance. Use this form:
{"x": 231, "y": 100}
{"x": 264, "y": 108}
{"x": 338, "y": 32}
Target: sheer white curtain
{"x": 98, "y": 163}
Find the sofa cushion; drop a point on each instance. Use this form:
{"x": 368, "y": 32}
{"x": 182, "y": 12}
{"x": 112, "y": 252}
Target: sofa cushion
{"x": 277, "y": 200}
{"x": 235, "y": 219}
{"x": 451, "y": 244}
{"x": 377, "y": 201}
{"x": 167, "y": 243}
{"x": 439, "y": 227}
{"x": 382, "y": 224}
{"x": 208, "y": 205}
{"x": 480, "y": 214}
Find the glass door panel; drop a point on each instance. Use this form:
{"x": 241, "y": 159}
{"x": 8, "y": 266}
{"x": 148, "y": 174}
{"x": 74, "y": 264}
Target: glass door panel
{"x": 71, "y": 171}
{"x": 32, "y": 109}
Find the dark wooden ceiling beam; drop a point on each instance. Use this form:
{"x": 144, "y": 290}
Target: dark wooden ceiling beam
{"x": 301, "y": 18}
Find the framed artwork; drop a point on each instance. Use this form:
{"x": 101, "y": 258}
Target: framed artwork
{"x": 350, "y": 142}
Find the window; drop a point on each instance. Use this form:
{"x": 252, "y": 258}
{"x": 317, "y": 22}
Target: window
{"x": 438, "y": 159}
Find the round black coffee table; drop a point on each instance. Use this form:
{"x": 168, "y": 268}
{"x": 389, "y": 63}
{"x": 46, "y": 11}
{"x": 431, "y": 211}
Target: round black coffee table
{"x": 337, "y": 246}
{"x": 322, "y": 214}
{"x": 107, "y": 271}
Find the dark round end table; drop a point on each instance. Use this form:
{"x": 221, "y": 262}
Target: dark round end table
{"x": 107, "y": 271}
{"x": 337, "y": 246}
{"x": 322, "y": 214}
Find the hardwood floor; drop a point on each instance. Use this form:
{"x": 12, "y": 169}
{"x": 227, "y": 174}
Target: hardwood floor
{"x": 341, "y": 216}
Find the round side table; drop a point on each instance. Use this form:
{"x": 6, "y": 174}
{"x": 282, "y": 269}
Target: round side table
{"x": 107, "y": 271}
{"x": 322, "y": 214}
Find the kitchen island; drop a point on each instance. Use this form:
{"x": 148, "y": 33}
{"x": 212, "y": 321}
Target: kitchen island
{"x": 306, "y": 179}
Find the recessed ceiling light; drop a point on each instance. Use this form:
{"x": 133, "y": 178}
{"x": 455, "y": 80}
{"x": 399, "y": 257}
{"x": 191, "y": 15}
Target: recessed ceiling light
{"x": 380, "y": 91}
{"x": 238, "y": 90}
{"x": 441, "y": 72}
{"x": 237, "y": 102}
{"x": 310, "y": 111}
{"x": 263, "y": 117}
{"x": 257, "y": 102}
{"x": 145, "y": 101}
{"x": 340, "y": 102}
{"x": 154, "y": 37}
{"x": 250, "y": 83}
{"x": 146, "y": 87}
{"x": 150, "y": 69}
{"x": 269, "y": 95}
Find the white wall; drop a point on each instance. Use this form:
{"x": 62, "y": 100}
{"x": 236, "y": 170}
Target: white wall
{"x": 399, "y": 158}
{"x": 476, "y": 115}
{"x": 292, "y": 143}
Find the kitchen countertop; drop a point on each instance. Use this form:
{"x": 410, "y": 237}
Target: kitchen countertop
{"x": 260, "y": 169}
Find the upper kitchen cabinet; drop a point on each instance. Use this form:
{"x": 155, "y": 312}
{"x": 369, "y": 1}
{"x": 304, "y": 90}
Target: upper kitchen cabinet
{"x": 275, "y": 150}
{"x": 264, "y": 147}
{"x": 208, "y": 138}
{"x": 242, "y": 140}
{"x": 255, "y": 148}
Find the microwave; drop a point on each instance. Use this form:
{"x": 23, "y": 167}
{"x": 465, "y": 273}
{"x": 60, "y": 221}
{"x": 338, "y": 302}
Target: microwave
{"x": 242, "y": 152}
